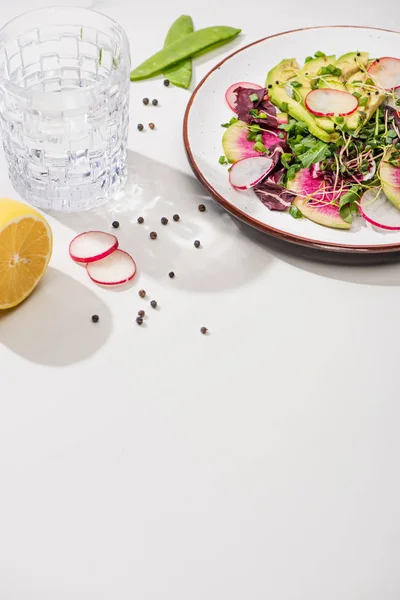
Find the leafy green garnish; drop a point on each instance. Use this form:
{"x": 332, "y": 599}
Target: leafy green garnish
{"x": 285, "y": 107}
{"x": 231, "y": 122}
{"x": 295, "y": 212}
{"x": 296, "y": 84}
{"x": 222, "y": 160}
{"x": 315, "y": 154}
{"x": 308, "y": 58}
{"x": 319, "y": 54}
{"x": 253, "y": 97}
{"x": 259, "y": 147}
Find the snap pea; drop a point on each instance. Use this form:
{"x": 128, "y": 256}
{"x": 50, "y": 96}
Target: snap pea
{"x": 181, "y": 73}
{"x": 186, "y": 47}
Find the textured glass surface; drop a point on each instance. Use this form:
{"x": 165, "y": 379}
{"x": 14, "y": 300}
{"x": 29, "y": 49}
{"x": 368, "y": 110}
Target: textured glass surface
{"x": 64, "y": 106}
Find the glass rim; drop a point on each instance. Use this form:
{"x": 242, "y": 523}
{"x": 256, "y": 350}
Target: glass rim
{"x": 17, "y": 90}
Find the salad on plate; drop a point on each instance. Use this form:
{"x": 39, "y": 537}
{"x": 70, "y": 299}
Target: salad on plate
{"x": 321, "y": 141}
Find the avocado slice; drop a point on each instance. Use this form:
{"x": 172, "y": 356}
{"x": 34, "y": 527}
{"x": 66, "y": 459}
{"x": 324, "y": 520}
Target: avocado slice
{"x": 354, "y": 84}
{"x": 312, "y": 67}
{"x": 352, "y": 62}
{"x": 390, "y": 179}
{"x": 300, "y": 94}
{"x": 305, "y": 76}
{"x": 277, "y": 77}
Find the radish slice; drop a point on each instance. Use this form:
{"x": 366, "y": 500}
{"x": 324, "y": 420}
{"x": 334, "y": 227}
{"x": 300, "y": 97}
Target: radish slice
{"x": 230, "y": 95}
{"x": 377, "y": 210}
{"x": 117, "y": 268}
{"x": 386, "y": 72}
{"x": 248, "y": 172}
{"x": 92, "y": 246}
{"x": 330, "y": 103}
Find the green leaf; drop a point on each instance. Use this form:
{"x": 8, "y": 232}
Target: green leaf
{"x": 285, "y": 107}
{"x": 222, "y": 160}
{"x": 253, "y": 97}
{"x": 346, "y": 214}
{"x": 295, "y": 212}
{"x": 259, "y": 147}
{"x": 319, "y": 54}
{"x": 296, "y": 84}
{"x": 286, "y": 158}
{"x": 308, "y": 59}
{"x": 231, "y": 122}
{"x": 313, "y": 155}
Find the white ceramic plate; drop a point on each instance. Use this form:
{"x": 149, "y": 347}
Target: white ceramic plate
{"x": 207, "y": 109}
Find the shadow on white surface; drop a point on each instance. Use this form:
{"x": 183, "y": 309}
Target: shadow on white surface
{"x": 53, "y": 326}
{"x": 383, "y": 270}
{"x": 226, "y": 258}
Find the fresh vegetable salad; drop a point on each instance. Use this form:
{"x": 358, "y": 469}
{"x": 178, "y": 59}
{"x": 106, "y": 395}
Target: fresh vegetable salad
{"x": 321, "y": 141}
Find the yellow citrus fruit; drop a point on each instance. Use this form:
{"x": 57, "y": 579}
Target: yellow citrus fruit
{"x": 26, "y": 242}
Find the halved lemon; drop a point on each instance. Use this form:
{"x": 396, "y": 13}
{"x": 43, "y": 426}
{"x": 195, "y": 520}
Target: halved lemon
{"x": 26, "y": 243}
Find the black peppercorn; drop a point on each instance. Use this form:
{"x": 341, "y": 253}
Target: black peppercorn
{"x": 95, "y": 318}
{"x": 140, "y": 127}
{"x": 115, "y": 224}
{"x": 176, "y": 217}
{"x": 196, "y": 243}
{"x": 202, "y": 208}
{"x": 166, "y": 82}
{"x": 171, "y": 274}
{"x": 204, "y": 330}
{"x": 154, "y": 102}
{"x": 164, "y": 220}
{"x": 146, "y": 101}
{"x": 140, "y": 220}
{"x": 139, "y": 320}
{"x": 142, "y": 293}
{"x": 153, "y": 304}
{"x": 153, "y": 235}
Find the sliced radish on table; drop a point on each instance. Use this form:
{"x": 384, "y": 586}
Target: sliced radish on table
{"x": 230, "y": 95}
{"x": 117, "y": 268}
{"x": 386, "y": 72}
{"x": 92, "y": 246}
{"x": 330, "y": 103}
{"x": 377, "y": 210}
{"x": 246, "y": 173}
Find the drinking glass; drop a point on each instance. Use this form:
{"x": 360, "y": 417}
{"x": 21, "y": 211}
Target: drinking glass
{"x": 64, "y": 106}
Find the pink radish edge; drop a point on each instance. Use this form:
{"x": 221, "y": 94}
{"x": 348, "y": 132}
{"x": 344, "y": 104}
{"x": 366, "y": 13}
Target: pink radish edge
{"x": 377, "y": 70}
{"x": 246, "y": 173}
{"x": 100, "y": 249}
{"x": 341, "y": 103}
{"x": 116, "y": 269}
{"x": 230, "y": 95}
{"x": 381, "y": 203}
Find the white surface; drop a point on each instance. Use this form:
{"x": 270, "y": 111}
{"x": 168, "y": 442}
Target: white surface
{"x": 253, "y": 64}
{"x": 153, "y": 463}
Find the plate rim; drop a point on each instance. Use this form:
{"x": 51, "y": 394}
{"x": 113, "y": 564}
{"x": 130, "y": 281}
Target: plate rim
{"x": 237, "y": 212}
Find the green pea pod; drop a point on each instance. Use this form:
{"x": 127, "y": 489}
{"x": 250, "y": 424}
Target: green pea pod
{"x": 184, "y": 48}
{"x": 180, "y": 74}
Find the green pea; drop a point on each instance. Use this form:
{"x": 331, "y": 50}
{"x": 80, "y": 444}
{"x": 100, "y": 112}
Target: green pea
{"x": 181, "y": 73}
{"x": 186, "y": 47}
